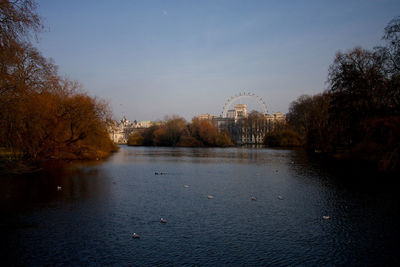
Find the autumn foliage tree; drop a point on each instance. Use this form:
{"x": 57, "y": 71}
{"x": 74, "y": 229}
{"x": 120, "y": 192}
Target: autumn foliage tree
{"x": 223, "y": 140}
{"x": 43, "y": 116}
{"x": 175, "y": 131}
{"x": 135, "y": 139}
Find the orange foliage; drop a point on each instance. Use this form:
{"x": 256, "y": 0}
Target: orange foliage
{"x": 135, "y": 139}
{"x": 223, "y": 140}
{"x": 207, "y": 133}
{"x": 43, "y": 116}
{"x": 159, "y": 137}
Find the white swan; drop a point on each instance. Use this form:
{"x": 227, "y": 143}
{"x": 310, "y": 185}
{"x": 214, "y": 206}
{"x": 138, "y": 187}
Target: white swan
{"x": 58, "y": 188}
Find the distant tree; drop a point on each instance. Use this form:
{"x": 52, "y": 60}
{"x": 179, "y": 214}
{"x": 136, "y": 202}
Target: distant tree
{"x": 160, "y": 137}
{"x": 309, "y": 117}
{"x": 223, "y": 140}
{"x": 135, "y": 139}
{"x": 283, "y": 138}
{"x": 174, "y": 128}
{"x": 175, "y": 131}
{"x": 299, "y": 114}
{"x": 148, "y": 135}
{"x": 207, "y": 133}
{"x": 169, "y": 132}
{"x": 320, "y": 131}
{"x": 194, "y": 128}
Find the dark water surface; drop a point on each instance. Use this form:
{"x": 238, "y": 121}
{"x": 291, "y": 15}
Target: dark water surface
{"x": 90, "y": 221}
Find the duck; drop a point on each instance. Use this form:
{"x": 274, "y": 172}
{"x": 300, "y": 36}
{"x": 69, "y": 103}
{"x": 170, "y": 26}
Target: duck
{"x": 58, "y": 188}
{"x": 210, "y": 197}
{"x": 326, "y": 217}
{"x": 186, "y": 186}
{"x": 136, "y": 236}
{"x": 253, "y": 198}
{"x": 163, "y": 220}
{"x": 280, "y": 197}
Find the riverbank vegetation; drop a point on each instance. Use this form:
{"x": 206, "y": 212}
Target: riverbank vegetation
{"x": 43, "y": 116}
{"x": 176, "y": 131}
{"x": 358, "y": 116}
{"x": 283, "y": 138}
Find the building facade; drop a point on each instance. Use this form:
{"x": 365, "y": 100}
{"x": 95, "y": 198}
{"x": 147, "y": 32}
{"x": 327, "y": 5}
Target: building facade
{"x": 119, "y": 131}
{"x": 246, "y": 128}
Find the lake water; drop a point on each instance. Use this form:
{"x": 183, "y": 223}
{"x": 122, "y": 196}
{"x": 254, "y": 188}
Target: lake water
{"x": 91, "y": 219}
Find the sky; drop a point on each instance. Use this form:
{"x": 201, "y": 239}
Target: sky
{"x": 151, "y": 58}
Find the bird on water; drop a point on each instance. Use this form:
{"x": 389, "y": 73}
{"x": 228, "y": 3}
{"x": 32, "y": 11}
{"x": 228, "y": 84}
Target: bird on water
{"x": 136, "y": 236}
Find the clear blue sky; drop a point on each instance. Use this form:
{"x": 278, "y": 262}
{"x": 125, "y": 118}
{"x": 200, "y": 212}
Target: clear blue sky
{"x": 156, "y": 58}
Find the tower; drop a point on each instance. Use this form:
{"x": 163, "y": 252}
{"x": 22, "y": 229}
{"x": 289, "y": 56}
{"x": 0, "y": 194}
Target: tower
{"x": 240, "y": 111}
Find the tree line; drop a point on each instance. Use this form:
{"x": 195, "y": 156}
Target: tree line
{"x": 176, "y": 131}
{"x": 358, "y": 116}
{"x": 43, "y": 115}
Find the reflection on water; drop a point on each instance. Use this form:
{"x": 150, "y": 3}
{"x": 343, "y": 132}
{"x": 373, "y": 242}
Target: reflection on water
{"x": 41, "y": 187}
{"x": 91, "y": 219}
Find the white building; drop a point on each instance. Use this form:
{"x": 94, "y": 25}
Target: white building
{"x": 120, "y": 130}
{"x": 207, "y": 117}
{"x": 145, "y": 124}
{"x": 248, "y": 129}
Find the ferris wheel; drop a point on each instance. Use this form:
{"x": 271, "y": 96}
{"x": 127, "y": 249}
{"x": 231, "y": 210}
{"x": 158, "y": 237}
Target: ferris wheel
{"x": 258, "y": 99}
